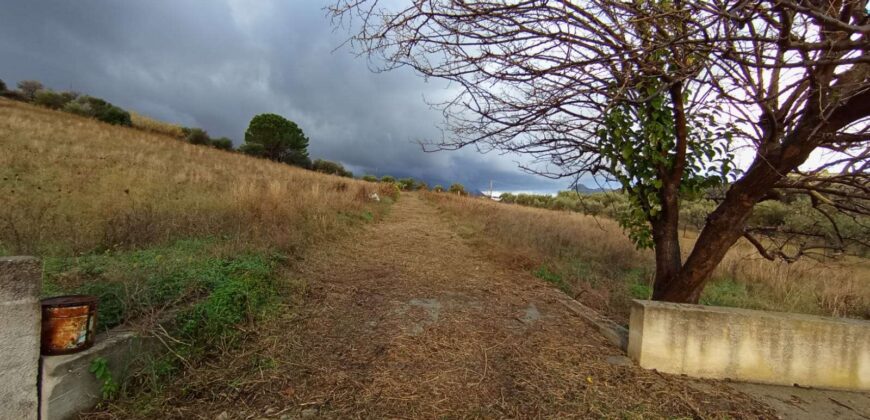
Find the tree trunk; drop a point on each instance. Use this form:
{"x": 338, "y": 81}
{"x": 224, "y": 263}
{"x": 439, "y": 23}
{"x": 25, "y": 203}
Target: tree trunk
{"x": 665, "y": 232}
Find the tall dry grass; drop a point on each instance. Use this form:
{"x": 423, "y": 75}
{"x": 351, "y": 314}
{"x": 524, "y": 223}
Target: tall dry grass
{"x": 72, "y": 185}
{"x": 146, "y": 123}
{"x": 602, "y": 267}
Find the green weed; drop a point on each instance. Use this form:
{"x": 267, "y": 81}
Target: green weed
{"x": 545, "y": 274}
{"x": 725, "y": 292}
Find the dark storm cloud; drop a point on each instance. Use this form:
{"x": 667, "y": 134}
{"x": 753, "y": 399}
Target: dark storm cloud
{"x": 215, "y": 64}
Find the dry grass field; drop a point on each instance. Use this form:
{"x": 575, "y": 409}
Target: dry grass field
{"x": 591, "y": 259}
{"x": 73, "y": 185}
{"x": 146, "y": 123}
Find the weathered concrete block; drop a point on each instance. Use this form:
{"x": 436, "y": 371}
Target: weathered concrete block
{"x": 20, "y": 285}
{"x": 68, "y": 386}
{"x": 752, "y": 346}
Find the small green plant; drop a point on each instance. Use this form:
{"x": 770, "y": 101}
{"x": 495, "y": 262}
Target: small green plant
{"x": 108, "y": 386}
{"x": 639, "y": 286}
{"x": 545, "y": 274}
{"x": 725, "y": 292}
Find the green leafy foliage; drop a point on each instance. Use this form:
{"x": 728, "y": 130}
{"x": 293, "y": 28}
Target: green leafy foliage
{"x": 253, "y": 149}
{"x": 89, "y": 106}
{"x": 222, "y": 143}
{"x": 281, "y": 139}
{"x": 332, "y": 168}
{"x": 549, "y": 276}
{"x": 240, "y": 290}
{"x": 639, "y": 145}
{"x": 370, "y": 178}
{"x": 387, "y": 178}
{"x": 108, "y": 386}
{"x": 130, "y": 283}
{"x": 457, "y": 188}
{"x": 54, "y": 100}
{"x": 196, "y": 136}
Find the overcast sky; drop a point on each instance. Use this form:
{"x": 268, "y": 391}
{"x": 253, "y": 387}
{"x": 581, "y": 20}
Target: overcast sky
{"x": 215, "y": 64}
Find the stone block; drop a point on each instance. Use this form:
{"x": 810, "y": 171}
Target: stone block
{"x": 751, "y": 346}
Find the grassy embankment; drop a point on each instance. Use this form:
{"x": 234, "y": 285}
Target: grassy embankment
{"x": 590, "y": 258}
{"x": 149, "y": 223}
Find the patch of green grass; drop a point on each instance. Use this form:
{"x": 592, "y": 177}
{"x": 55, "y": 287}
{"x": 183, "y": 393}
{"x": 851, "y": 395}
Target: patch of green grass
{"x": 725, "y": 292}
{"x": 241, "y": 290}
{"x": 638, "y": 286}
{"x": 128, "y": 283}
{"x": 549, "y": 276}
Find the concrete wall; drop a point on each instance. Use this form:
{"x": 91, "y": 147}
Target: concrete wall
{"x": 20, "y": 315}
{"x": 752, "y": 346}
{"x": 68, "y": 387}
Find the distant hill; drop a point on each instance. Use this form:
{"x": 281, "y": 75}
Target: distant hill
{"x": 583, "y": 189}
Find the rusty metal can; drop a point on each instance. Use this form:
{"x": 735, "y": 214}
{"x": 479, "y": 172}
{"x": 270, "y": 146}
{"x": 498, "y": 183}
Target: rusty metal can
{"x": 68, "y": 324}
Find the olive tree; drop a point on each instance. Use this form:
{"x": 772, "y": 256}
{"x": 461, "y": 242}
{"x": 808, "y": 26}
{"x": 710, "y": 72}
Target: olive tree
{"x": 659, "y": 97}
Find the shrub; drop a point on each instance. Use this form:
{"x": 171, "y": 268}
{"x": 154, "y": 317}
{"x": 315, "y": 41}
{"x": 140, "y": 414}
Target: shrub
{"x": 222, "y": 143}
{"x": 297, "y": 158}
{"x": 51, "y": 99}
{"x": 370, "y": 178}
{"x": 97, "y": 108}
{"x": 387, "y": 178}
{"x": 2, "y": 86}
{"x": 197, "y": 136}
{"x": 79, "y": 108}
{"x": 329, "y": 167}
{"x": 113, "y": 115}
{"x": 253, "y": 149}
{"x": 388, "y": 189}
{"x": 438, "y": 188}
{"x": 14, "y": 95}
{"x": 407, "y": 184}
{"x": 458, "y": 188}
{"x": 28, "y": 88}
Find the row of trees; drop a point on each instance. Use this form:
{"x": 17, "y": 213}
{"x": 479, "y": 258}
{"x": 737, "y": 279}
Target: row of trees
{"x": 411, "y": 184}
{"x": 73, "y": 102}
{"x": 793, "y": 214}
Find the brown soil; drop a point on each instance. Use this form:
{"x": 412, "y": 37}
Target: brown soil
{"x": 406, "y": 320}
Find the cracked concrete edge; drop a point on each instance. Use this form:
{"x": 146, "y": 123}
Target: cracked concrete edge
{"x": 614, "y": 333}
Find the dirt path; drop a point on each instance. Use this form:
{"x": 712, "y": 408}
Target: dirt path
{"x": 406, "y": 320}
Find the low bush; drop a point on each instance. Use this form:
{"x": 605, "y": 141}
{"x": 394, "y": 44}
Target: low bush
{"x": 332, "y": 168}
{"x": 370, "y": 178}
{"x": 458, "y": 189}
{"x": 196, "y": 136}
{"x": 28, "y": 88}
{"x": 389, "y": 189}
{"x": 222, "y": 143}
{"x": 54, "y": 100}
{"x": 89, "y": 106}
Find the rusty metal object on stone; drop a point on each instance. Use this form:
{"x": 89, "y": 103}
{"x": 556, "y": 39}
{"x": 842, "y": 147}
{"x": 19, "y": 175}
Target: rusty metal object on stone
{"x": 68, "y": 324}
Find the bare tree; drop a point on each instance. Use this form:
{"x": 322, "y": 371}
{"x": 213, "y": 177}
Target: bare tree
{"x": 661, "y": 97}
{"x": 28, "y": 88}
